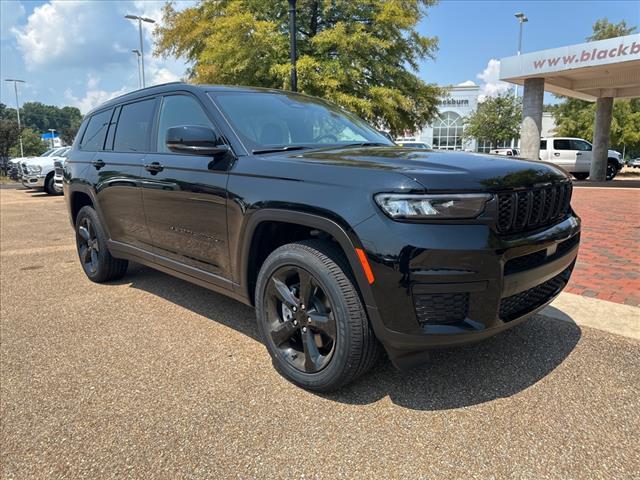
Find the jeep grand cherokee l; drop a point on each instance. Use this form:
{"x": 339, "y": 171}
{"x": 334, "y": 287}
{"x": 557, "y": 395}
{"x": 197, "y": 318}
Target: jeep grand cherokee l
{"x": 344, "y": 243}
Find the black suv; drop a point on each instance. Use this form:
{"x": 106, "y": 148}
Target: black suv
{"x": 343, "y": 241}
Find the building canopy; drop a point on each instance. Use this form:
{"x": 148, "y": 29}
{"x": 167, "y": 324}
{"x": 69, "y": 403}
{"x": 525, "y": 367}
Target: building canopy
{"x": 605, "y": 68}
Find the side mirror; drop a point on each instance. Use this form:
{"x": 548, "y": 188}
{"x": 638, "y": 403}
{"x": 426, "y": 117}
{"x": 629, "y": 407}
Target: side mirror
{"x": 194, "y": 139}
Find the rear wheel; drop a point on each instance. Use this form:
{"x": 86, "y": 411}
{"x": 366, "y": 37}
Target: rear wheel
{"x": 581, "y": 175}
{"x": 91, "y": 242}
{"x": 311, "y": 317}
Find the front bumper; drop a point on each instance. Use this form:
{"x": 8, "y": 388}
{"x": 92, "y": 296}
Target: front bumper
{"x": 440, "y": 285}
{"x": 33, "y": 181}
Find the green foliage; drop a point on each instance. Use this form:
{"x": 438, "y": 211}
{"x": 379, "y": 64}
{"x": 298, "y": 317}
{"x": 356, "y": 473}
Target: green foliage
{"x": 575, "y": 118}
{"x": 8, "y": 135}
{"x": 496, "y": 120}
{"x": 604, "y": 29}
{"x": 32, "y": 144}
{"x": 361, "y": 55}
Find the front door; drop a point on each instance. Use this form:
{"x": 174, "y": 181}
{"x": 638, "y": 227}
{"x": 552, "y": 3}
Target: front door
{"x": 185, "y": 195}
{"x": 563, "y": 154}
{"x": 584, "y": 154}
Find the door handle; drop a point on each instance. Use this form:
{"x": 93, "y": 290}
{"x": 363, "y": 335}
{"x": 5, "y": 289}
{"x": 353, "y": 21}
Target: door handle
{"x": 98, "y": 164}
{"x": 578, "y": 154}
{"x": 153, "y": 167}
{"x": 556, "y": 154}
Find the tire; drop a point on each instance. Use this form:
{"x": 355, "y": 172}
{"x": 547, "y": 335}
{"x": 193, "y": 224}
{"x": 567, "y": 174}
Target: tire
{"x": 91, "y": 243}
{"x": 612, "y": 170}
{"x": 581, "y": 175}
{"x": 340, "y": 359}
{"x": 49, "y": 186}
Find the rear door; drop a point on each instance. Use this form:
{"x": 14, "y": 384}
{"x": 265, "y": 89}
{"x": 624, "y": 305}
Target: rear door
{"x": 563, "y": 154}
{"x": 185, "y": 195}
{"x": 119, "y": 172}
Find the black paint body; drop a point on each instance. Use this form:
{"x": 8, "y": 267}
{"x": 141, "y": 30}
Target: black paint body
{"x": 196, "y": 219}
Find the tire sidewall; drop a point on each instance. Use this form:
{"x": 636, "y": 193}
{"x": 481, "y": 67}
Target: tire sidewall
{"x": 341, "y": 356}
{"x": 89, "y": 212}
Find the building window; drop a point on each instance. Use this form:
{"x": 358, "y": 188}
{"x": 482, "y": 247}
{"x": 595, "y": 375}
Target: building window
{"x": 447, "y": 131}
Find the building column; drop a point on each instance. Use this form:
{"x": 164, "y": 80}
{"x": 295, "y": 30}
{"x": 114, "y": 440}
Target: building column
{"x": 601, "y": 135}
{"x": 532, "y": 103}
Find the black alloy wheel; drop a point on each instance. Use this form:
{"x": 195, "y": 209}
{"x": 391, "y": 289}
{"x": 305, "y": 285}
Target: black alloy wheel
{"x": 612, "y": 170}
{"x": 300, "y": 318}
{"x": 88, "y": 246}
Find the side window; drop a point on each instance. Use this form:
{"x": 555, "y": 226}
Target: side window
{"x": 562, "y": 144}
{"x": 543, "y": 144}
{"x": 93, "y": 138}
{"x": 134, "y": 127}
{"x": 580, "y": 145}
{"x": 179, "y": 110}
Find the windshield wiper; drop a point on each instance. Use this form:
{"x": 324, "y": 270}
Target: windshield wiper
{"x": 368, "y": 144}
{"x": 286, "y": 148}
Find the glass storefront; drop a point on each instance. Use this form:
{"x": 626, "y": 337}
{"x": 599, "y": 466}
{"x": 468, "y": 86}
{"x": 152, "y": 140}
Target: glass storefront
{"x": 447, "y": 131}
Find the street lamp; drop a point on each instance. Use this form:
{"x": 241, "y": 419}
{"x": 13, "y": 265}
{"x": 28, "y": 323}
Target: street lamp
{"x": 522, "y": 19}
{"x": 138, "y": 55}
{"x": 52, "y": 130}
{"x": 140, "y": 20}
{"x": 15, "y": 87}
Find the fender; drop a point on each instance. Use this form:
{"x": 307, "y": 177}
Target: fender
{"x": 83, "y": 187}
{"x": 348, "y": 243}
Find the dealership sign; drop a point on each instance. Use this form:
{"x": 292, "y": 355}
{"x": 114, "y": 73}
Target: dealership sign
{"x": 592, "y": 54}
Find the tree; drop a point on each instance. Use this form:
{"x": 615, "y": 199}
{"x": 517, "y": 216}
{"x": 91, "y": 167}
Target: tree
{"x": 604, "y": 29}
{"x": 361, "y": 55}
{"x": 32, "y": 144}
{"x": 496, "y": 120}
{"x": 9, "y": 133}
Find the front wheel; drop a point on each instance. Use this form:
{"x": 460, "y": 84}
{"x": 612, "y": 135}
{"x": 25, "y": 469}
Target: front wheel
{"x": 311, "y": 317}
{"x": 581, "y": 175}
{"x": 612, "y": 169}
{"x": 49, "y": 185}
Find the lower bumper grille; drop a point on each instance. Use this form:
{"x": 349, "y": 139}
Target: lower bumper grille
{"x": 441, "y": 308}
{"x": 524, "y": 302}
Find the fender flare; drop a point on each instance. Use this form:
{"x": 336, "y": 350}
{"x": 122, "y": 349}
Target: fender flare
{"x": 74, "y": 188}
{"x": 347, "y": 240}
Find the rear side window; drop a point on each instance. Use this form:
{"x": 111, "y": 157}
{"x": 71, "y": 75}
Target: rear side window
{"x": 543, "y": 144}
{"x": 134, "y": 127}
{"x": 93, "y": 138}
{"x": 562, "y": 144}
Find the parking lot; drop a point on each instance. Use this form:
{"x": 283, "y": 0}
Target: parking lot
{"x": 151, "y": 376}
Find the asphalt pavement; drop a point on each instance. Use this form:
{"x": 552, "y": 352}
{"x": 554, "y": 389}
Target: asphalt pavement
{"x": 154, "y": 377}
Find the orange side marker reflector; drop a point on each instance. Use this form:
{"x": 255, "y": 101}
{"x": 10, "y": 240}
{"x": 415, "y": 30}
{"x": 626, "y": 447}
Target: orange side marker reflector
{"x": 365, "y": 265}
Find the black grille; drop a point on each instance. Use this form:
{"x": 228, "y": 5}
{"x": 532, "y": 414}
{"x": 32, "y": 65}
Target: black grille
{"x": 441, "y": 308}
{"x": 524, "y": 302}
{"x": 531, "y": 209}
{"x": 24, "y": 168}
{"x": 58, "y": 167}
{"x": 535, "y": 259}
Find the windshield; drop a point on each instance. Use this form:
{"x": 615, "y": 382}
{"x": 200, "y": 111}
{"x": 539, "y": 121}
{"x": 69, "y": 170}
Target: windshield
{"x": 284, "y": 120}
{"x": 48, "y": 152}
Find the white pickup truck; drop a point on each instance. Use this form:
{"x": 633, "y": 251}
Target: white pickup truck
{"x": 575, "y": 154}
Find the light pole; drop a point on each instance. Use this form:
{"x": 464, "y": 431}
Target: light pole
{"x": 522, "y": 19}
{"x": 292, "y": 40}
{"x": 140, "y": 20}
{"x": 138, "y": 55}
{"x": 52, "y": 130}
{"x": 15, "y": 87}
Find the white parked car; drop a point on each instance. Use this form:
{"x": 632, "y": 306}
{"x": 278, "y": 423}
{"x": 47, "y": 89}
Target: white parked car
{"x": 575, "y": 154}
{"x": 38, "y": 172}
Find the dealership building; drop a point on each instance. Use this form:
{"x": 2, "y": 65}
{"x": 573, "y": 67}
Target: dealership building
{"x": 446, "y": 132}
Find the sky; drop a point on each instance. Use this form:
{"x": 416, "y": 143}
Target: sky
{"x": 79, "y": 52}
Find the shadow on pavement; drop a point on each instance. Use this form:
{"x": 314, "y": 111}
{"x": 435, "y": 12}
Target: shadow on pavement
{"x": 499, "y": 367}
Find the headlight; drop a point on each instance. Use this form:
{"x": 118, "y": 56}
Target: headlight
{"x": 424, "y": 207}
{"x": 34, "y": 168}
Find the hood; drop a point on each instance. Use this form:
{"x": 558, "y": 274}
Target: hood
{"x": 446, "y": 171}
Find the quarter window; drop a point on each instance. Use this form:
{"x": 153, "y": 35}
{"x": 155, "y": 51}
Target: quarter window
{"x": 93, "y": 138}
{"x": 134, "y": 127}
{"x": 543, "y": 144}
{"x": 179, "y": 110}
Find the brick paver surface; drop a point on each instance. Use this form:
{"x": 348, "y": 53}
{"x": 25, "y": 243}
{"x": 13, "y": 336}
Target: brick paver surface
{"x": 608, "y": 264}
